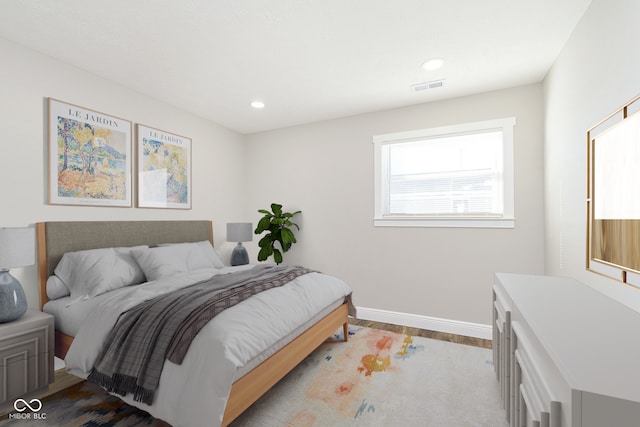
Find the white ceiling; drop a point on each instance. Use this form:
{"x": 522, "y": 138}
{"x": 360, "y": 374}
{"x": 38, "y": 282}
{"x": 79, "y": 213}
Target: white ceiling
{"x": 308, "y": 60}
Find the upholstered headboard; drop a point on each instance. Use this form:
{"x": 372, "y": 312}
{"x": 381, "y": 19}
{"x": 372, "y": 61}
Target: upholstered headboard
{"x": 54, "y": 239}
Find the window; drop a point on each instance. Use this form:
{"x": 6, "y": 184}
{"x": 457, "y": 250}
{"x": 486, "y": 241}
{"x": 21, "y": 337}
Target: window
{"x": 453, "y": 176}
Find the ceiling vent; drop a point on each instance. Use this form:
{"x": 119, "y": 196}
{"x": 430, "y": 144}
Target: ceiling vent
{"x": 434, "y": 84}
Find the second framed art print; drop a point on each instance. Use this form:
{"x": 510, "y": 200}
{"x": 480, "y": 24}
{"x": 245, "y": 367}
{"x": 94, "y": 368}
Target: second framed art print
{"x": 164, "y": 169}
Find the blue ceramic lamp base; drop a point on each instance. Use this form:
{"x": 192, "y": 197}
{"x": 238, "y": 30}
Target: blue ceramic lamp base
{"x": 13, "y": 302}
{"x": 239, "y": 256}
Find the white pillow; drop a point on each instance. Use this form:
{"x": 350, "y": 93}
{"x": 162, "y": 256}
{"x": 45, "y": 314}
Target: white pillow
{"x": 133, "y": 270}
{"x": 96, "y": 271}
{"x": 171, "y": 259}
{"x": 200, "y": 255}
{"x": 56, "y": 288}
{"x": 203, "y": 255}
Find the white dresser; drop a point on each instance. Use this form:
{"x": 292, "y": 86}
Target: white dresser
{"x": 565, "y": 355}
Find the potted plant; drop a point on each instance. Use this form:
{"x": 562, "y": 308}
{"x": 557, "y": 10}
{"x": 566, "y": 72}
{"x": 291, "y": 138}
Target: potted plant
{"x": 278, "y": 226}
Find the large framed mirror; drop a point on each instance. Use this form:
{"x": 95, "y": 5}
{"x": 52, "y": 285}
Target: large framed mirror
{"x": 613, "y": 195}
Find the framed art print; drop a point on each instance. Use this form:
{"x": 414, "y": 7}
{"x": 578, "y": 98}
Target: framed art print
{"x": 164, "y": 169}
{"x": 89, "y": 157}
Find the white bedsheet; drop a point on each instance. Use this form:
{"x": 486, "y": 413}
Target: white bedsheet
{"x": 195, "y": 393}
{"x": 70, "y": 314}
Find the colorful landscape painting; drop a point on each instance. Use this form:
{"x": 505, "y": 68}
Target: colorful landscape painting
{"x": 89, "y": 157}
{"x": 92, "y": 161}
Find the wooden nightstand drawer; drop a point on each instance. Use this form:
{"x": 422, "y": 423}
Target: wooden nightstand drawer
{"x": 26, "y": 354}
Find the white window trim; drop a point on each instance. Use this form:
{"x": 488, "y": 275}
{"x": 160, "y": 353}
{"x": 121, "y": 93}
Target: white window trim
{"x": 508, "y": 218}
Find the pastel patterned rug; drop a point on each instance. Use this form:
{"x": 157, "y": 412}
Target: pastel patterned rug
{"x": 378, "y": 378}
{"x": 385, "y": 379}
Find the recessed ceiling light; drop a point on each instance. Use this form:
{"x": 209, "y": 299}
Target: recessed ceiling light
{"x": 433, "y": 64}
{"x": 257, "y": 104}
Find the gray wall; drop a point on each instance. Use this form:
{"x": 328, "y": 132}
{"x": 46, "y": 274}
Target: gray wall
{"x": 597, "y": 72}
{"x": 326, "y": 170}
{"x": 27, "y": 78}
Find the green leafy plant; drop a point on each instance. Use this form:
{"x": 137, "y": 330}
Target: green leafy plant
{"x": 278, "y": 226}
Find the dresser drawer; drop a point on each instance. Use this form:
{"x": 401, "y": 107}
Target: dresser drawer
{"x": 533, "y": 403}
{"x": 502, "y": 348}
{"x": 22, "y": 375}
{"x": 26, "y": 355}
{"x": 31, "y": 342}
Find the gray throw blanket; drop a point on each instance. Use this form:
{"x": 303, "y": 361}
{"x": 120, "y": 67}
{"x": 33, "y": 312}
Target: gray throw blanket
{"x": 162, "y": 328}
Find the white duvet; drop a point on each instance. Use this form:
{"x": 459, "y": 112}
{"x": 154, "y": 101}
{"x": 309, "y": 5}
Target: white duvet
{"x": 195, "y": 393}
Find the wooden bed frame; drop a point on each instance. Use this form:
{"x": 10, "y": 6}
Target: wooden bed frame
{"x": 56, "y": 238}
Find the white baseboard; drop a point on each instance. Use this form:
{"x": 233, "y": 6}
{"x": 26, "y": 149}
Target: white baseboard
{"x": 457, "y": 327}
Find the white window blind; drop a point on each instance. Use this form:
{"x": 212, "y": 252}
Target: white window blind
{"x": 458, "y": 173}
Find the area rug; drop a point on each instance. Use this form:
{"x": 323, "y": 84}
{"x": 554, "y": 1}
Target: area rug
{"x": 385, "y": 379}
{"x": 83, "y": 404}
{"x": 378, "y": 378}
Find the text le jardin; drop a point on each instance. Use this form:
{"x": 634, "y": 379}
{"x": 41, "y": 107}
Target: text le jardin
{"x": 95, "y": 118}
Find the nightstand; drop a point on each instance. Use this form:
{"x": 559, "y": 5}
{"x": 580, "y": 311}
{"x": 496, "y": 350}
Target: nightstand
{"x": 26, "y": 355}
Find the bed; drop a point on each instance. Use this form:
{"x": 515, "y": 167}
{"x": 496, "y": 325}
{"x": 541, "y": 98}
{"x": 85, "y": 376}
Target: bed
{"x": 249, "y": 382}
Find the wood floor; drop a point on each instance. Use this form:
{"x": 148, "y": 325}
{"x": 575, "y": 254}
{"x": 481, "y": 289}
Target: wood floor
{"x": 458, "y": 339}
{"x": 64, "y": 380}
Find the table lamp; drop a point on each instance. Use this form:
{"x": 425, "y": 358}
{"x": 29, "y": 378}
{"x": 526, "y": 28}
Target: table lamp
{"x": 239, "y": 232}
{"x": 17, "y": 249}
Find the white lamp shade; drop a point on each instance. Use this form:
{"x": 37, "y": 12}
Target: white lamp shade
{"x": 17, "y": 247}
{"x": 239, "y": 232}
